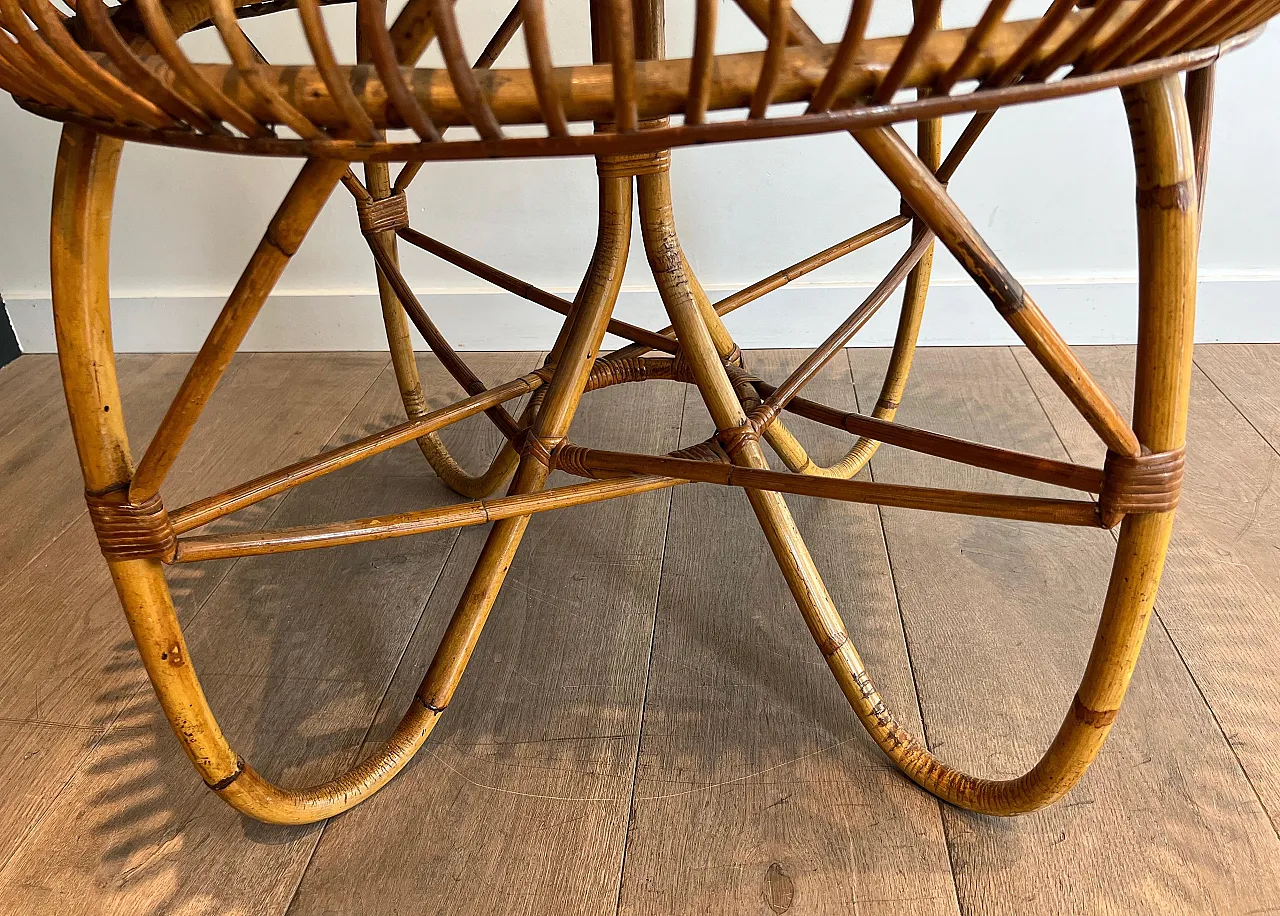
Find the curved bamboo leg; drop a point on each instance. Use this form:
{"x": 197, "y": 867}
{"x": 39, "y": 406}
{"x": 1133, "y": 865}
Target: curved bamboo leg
{"x": 84, "y": 185}
{"x": 1167, "y": 222}
{"x": 577, "y": 354}
{"x": 404, "y": 363}
{"x": 83, "y": 189}
{"x": 656, "y": 215}
{"x": 914, "y": 295}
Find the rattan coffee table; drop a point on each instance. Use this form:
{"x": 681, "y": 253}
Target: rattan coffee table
{"x": 114, "y": 74}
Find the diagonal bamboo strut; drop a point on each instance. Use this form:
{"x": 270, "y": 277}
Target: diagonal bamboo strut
{"x": 287, "y": 229}
{"x": 929, "y": 199}
{"x": 808, "y": 265}
{"x": 603, "y": 464}
{"x": 254, "y": 491}
{"x": 1031, "y": 467}
{"x": 780, "y": 279}
{"x": 823, "y": 354}
{"x": 625, "y": 474}
{"x": 449, "y": 357}
{"x": 403, "y": 358}
{"x": 442, "y": 518}
{"x": 528, "y": 291}
{"x": 284, "y": 235}
{"x": 974, "y": 454}
{"x": 577, "y": 353}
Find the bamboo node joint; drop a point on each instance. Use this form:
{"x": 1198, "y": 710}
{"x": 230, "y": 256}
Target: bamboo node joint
{"x": 1097, "y": 718}
{"x": 225, "y": 781}
{"x": 1166, "y": 197}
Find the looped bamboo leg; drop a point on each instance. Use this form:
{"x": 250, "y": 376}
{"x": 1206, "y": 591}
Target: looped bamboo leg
{"x": 84, "y": 186}
{"x": 658, "y": 224}
{"x": 403, "y": 360}
{"x": 1168, "y": 233}
{"x": 405, "y": 366}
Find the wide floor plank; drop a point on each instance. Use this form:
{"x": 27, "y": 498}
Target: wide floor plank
{"x": 757, "y": 791}
{"x": 78, "y": 667}
{"x": 41, "y": 486}
{"x": 1248, "y": 375}
{"x": 49, "y": 560}
{"x": 518, "y": 803}
{"x": 646, "y": 725}
{"x": 1221, "y": 586}
{"x": 1000, "y": 616}
{"x": 28, "y": 386}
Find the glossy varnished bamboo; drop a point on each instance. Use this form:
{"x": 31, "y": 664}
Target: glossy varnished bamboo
{"x": 1128, "y": 796}
{"x": 308, "y": 660}
{"x": 1009, "y": 609}
{"x": 80, "y": 233}
{"x": 629, "y": 90}
{"x": 740, "y": 804}
{"x": 1224, "y": 523}
{"x": 541, "y": 736}
{"x": 336, "y": 111}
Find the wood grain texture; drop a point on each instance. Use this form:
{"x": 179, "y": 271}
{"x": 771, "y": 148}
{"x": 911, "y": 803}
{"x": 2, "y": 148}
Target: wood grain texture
{"x": 296, "y": 654}
{"x": 41, "y": 487}
{"x": 1248, "y": 375}
{"x": 1007, "y": 58}
{"x": 71, "y": 661}
{"x": 1219, "y": 599}
{"x": 756, "y": 791}
{"x": 27, "y": 387}
{"x": 67, "y": 630}
{"x": 1007, "y": 611}
{"x": 49, "y": 569}
{"x": 518, "y": 804}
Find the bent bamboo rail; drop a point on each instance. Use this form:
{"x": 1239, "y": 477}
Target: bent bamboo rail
{"x": 124, "y": 76}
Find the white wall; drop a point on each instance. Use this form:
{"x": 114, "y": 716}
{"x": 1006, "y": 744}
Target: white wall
{"x": 1050, "y": 186}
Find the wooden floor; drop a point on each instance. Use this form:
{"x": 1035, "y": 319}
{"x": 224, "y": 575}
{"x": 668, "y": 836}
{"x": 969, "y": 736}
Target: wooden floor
{"x": 646, "y": 727}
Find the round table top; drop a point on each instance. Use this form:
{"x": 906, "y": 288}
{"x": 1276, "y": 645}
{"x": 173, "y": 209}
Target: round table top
{"x": 123, "y": 70}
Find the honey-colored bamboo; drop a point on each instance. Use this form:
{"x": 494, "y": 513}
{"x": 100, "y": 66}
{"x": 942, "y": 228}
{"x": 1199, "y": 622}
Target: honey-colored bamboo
{"x": 929, "y": 199}
{"x": 254, "y": 491}
{"x": 122, "y": 74}
{"x": 395, "y": 318}
{"x": 406, "y": 524}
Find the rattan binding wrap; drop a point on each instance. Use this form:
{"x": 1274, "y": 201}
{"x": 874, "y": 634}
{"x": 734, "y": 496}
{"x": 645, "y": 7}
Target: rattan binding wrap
{"x": 131, "y": 532}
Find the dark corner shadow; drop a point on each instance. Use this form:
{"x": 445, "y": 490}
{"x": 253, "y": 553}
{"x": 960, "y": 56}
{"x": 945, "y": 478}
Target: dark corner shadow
{"x": 9, "y": 349}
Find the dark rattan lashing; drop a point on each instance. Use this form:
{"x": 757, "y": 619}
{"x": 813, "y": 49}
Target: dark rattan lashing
{"x": 121, "y": 73}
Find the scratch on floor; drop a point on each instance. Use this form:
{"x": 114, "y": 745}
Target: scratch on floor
{"x": 481, "y": 785}
{"x": 753, "y": 775}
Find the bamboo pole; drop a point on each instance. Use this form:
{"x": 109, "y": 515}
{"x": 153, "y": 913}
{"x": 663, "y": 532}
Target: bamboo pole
{"x": 604, "y": 464}
{"x": 929, "y": 199}
{"x": 405, "y": 524}
{"x": 254, "y": 491}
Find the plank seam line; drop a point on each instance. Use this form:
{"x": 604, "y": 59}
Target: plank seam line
{"x": 1155, "y": 610}
{"x": 1271, "y": 818}
{"x": 906, "y": 647}
{"x": 648, "y": 669}
{"x": 391, "y": 679}
{"x": 1235, "y": 406}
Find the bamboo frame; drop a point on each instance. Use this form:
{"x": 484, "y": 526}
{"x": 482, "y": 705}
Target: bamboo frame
{"x": 338, "y": 110}
{"x": 1137, "y": 488}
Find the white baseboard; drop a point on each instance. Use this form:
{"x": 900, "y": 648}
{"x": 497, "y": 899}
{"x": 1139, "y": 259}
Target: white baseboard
{"x": 1232, "y": 308}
